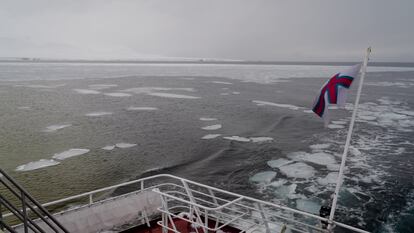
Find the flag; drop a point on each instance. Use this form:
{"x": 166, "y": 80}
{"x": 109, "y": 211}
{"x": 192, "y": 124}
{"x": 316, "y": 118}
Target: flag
{"x": 334, "y": 91}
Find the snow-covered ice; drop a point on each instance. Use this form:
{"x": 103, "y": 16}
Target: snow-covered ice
{"x": 278, "y": 183}
{"x": 220, "y": 82}
{"x": 207, "y": 119}
{"x": 147, "y": 90}
{"x": 37, "y": 165}
{"x": 46, "y": 86}
{"x": 237, "y": 138}
{"x": 170, "y": 95}
{"x": 54, "y": 128}
{"x": 101, "y": 86}
{"x": 212, "y": 127}
{"x": 117, "y": 94}
{"x": 96, "y": 114}
{"x": 320, "y": 158}
{"x": 287, "y": 191}
{"x": 86, "y": 91}
{"x": 334, "y": 126}
{"x": 109, "y": 147}
{"x": 320, "y": 146}
{"x": 263, "y": 177}
{"x": 261, "y": 139}
{"x": 308, "y": 206}
{"x": 333, "y": 167}
{"x": 132, "y": 108}
{"x": 70, "y": 153}
{"x": 125, "y": 145}
{"x": 211, "y": 136}
{"x": 263, "y": 103}
{"x": 278, "y": 163}
{"x": 298, "y": 170}
{"x": 328, "y": 179}
{"x": 339, "y": 122}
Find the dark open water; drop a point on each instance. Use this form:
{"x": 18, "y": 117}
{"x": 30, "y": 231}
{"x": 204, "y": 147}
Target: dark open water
{"x": 267, "y": 107}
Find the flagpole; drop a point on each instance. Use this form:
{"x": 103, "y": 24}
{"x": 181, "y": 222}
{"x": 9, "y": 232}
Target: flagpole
{"x": 348, "y": 139}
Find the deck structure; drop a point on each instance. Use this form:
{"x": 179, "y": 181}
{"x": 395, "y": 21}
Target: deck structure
{"x": 164, "y": 204}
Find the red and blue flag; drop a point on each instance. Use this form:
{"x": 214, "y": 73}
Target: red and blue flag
{"x": 334, "y": 91}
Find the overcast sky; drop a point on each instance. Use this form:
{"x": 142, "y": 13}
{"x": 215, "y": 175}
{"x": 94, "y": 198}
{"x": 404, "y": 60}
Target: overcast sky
{"x": 306, "y": 30}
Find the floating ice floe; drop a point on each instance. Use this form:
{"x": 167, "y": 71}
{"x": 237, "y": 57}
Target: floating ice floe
{"x": 124, "y": 145}
{"x": 87, "y": 91}
{"x": 207, "y": 119}
{"x": 109, "y": 147}
{"x": 147, "y": 90}
{"x": 211, "y": 136}
{"x": 319, "y": 158}
{"x": 263, "y": 103}
{"x": 212, "y": 127}
{"x": 391, "y": 84}
{"x": 298, "y": 170}
{"x": 333, "y": 167}
{"x": 170, "y": 95}
{"x": 220, "y": 82}
{"x": 388, "y": 113}
{"x": 23, "y": 107}
{"x": 101, "y": 86}
{"x": 46, "y": 86}
{"x": 287, "y": 191}
{"x": 261, "y": 139}
{"x": 320, "y": 146}
{"x": 37, "y": 165}
{"x": 367, "y": 118}
{"x": 278, "y": 183}
{"x": 54, "y": 128}
{"x": 117, "y": 94}
{"x": 263, "y": 177}
{"x": 96, "y": 114}
{"x": 339, "y": 122}
{"x": 237, "y": 138}
{"x": 308, "y": 206}
{"x": 278, "y": 163}
{"x": 235, "y": 93}
{"x": 329, "y": 179}
{"x": 70, "y": 153}
{"x": 131, "y": 108}
{"x": 334, "y": 126}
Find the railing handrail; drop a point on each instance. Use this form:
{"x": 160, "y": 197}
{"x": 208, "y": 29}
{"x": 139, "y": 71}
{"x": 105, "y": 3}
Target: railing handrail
{"x": 235, "y": 195}
{"x": 4, "y": 177}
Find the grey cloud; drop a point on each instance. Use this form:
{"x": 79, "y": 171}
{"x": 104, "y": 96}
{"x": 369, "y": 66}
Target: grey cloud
{"x": 248, "y": 30}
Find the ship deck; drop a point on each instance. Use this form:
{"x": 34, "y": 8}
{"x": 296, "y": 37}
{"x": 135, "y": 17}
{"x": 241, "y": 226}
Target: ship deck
{"x": 182, "y": 226}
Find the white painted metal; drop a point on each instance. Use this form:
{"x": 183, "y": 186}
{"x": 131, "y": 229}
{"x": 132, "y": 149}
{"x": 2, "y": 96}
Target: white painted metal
{"x": 227, "y": 208}
{"x": 348, "y": 137}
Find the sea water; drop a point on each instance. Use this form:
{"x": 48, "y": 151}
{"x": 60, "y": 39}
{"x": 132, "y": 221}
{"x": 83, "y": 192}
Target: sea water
{"x": 72, "y": 128}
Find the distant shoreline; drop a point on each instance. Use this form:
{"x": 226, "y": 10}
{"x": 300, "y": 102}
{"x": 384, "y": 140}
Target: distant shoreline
{"x": 206, "y": 62}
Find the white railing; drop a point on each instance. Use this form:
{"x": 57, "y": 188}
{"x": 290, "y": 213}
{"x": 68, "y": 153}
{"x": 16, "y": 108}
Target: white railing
{"x": 210, "y": 209}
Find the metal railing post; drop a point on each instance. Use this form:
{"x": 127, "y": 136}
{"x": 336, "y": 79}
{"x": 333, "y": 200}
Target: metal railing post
{"x": 1, "y": 214}
{"x": 26, "y": 230}
{"x": 196, "y": 209}
{"x": 90, "y": 199}
{"x": 11, "y": 185}
{"x": 259, "y": 206}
